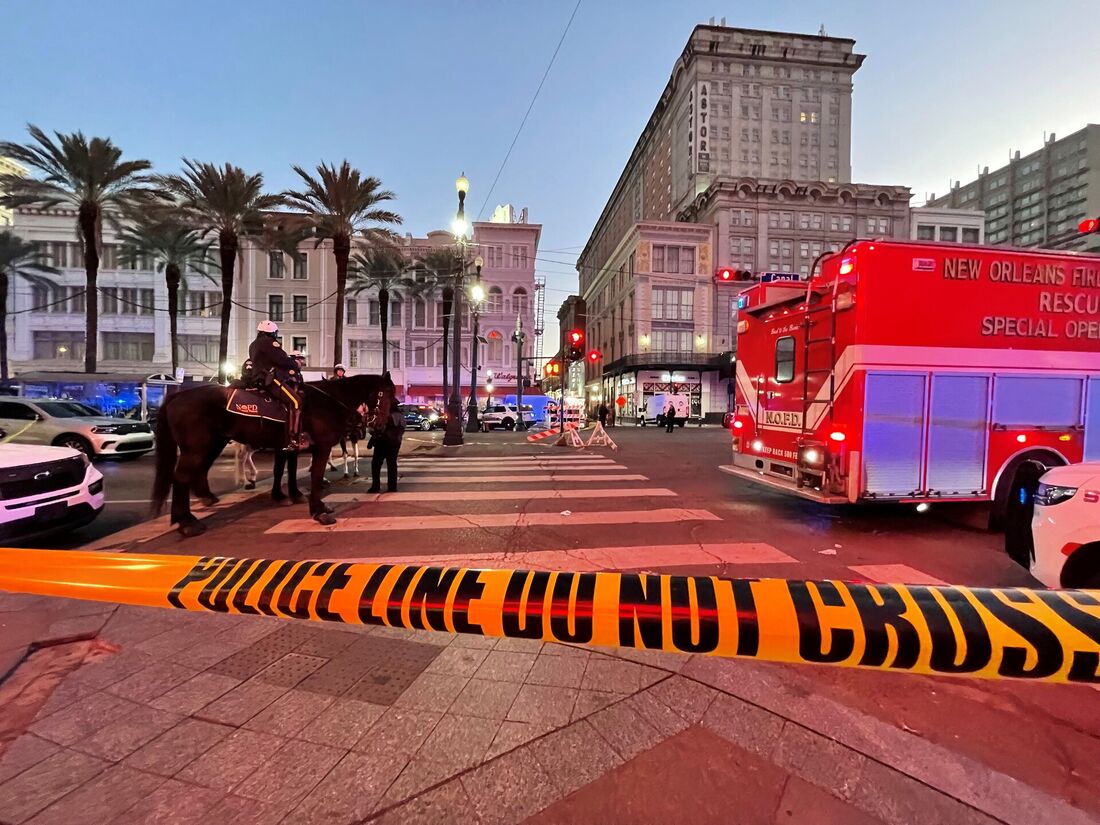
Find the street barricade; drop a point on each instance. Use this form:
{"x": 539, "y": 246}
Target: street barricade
{"x": 1018, "y": 633}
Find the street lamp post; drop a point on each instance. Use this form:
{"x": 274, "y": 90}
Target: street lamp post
{"x": 519, "y": 336}
{"x": 453, "y": 436}
{"x": 477, "y": 295}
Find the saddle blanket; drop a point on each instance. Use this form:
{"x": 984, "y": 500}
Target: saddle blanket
{"x": 253, "y": 404}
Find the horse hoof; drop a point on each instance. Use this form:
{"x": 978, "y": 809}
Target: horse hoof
{"x": 325, "y": 482}
{"x": 192, "y": 529}
{"x": 357, "y": 474}
{"x": 250, "y": 485}
{"x": 325, "y": 518}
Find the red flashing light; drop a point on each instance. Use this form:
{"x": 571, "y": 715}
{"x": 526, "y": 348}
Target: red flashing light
{"x": 594, "y": 355}
{"x": 725, "y": 274}
{"x": 837, "y": 436}
{"x": 1088, "y": 226}
{"x": 1022, "y": 438}
{"x": 575, "y": 337}
{"x": 846, "y": 266}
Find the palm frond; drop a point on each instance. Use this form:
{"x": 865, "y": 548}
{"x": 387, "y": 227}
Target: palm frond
{"x": 25, "y": 258}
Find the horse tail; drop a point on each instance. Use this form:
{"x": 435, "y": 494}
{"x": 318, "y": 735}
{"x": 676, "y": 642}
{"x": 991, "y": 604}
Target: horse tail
{"x": 166, "y": 461}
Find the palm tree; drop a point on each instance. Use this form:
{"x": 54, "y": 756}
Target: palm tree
{"x": 174, "y": 247}
{"x": 17, "y": 257}
{"x": 227, "y": 202}
{"x": 88, "y": 175}
{"x": 340, "y": 203}
{"x": 383, "y": 268}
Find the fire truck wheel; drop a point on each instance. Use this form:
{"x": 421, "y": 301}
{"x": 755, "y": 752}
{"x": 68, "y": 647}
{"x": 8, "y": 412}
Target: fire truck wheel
{"x": 1082, "y": 570}
{"x": 1018, "y": 472}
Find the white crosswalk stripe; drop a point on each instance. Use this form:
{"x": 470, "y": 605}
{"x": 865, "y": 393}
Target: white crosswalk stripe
{"x": 420, "y": 478}
{"x": 488, "y": 468}
{"x": 502, "y": 495}
{"x": 604, "y": 558}
{"x": 466, "y": 520}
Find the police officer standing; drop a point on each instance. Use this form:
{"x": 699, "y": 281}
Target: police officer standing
{"x": 280, "y": 373}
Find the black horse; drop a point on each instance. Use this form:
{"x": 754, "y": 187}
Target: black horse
{"x": 197, "y": 423}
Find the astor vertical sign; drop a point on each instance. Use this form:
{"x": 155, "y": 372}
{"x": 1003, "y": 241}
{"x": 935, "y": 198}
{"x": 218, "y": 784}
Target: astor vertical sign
{"x": 702, "y": 127}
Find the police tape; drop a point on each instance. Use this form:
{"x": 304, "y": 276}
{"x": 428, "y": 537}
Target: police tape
{"x": 987, "y": 633}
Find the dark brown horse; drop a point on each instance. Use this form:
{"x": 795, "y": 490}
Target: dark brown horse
{"x": 197, "y": 424}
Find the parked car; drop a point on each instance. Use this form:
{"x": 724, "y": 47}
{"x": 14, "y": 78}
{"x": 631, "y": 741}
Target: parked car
{"x": 422, "y": 416}
{"x": 1065, "y": 527}
{"x": 74, "y": 425}
{"x": 506, "y": 416}
{"x": 45, "y": 489}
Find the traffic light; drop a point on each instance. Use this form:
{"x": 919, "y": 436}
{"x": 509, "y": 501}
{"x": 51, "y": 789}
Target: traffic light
{"x": 551, "y": 369}
{"x": 727, "y": 275}
{"x": 576, "y": 344}
{"x": 594, "y": 355}
{"x": 1089, "y": 226}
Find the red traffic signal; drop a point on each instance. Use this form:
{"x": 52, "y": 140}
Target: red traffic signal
{"x": 1088, "y": 226}
{"x": 594, "y": 355}
{"x": 724, "y": 274}
{"x": 727, "y": 275}
{"x": 575, "y": 337}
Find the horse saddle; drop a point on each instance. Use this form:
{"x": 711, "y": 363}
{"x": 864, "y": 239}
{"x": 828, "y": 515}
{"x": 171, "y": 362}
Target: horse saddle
{"x": 255, "y": 404}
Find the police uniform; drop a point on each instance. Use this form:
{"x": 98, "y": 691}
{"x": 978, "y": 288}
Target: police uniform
{"x": 269, "y": 358}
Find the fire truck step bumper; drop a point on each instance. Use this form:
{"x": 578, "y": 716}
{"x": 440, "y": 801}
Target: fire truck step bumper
{"x": 780, "y": 484}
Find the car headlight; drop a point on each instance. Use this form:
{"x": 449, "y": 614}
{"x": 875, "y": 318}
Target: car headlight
{"x": 433, "y": 417}
{"x": 106, "y": 428}
{"x": 1050, "y": 494}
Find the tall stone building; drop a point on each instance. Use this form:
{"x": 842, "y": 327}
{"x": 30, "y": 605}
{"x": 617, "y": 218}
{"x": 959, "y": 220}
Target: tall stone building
{"x": 745, "y": 162}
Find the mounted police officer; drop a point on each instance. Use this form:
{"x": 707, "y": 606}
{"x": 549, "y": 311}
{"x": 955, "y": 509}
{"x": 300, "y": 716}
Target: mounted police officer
{"x": 339, "y": 371}
{"x": 280, "y": 374}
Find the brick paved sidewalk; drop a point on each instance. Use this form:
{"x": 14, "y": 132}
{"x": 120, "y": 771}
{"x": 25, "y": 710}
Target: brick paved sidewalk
{"x": 212, "y": 718}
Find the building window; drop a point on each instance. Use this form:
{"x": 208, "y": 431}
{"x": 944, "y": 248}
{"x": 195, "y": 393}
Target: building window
{"x": 519, "y": 257}
{"x": 949, "y": 234}
{"x": 374, "y": 317}
{"x": 519, "y": 299}
{"x": 420, "y": 312}
{"x": 671, "y": 340}
{"x": 199, "y": 349}
{"x": 674, "y": 260}
{"x": 353, "y": 311}
{"x": 494, "y": 350}
{"x": 128, "y": 346}
{"x": 276, "y": 265}
{"x": 301, "y": 266}
{"x": 275, "y": 308}
{"x": 395, "y": 313}
{"x": 926, "y": 232}
{"x": 494, "y": 303}
{"x": 301, "y": 309}
{"x": 970, "y": 234}
{"x": 420, "y": 357}
{"x": 58, "y": 345}
{"x": 298, "y": 344}
{"x": 201, "y": 304}
{"x": 673, "y": 304}
{"x": 784, "y": 360}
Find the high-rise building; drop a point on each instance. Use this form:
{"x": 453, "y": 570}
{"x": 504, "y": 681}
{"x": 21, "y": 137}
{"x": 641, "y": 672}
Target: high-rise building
{"x": 1038, "y": 199}
{"x": 745, "y": 162}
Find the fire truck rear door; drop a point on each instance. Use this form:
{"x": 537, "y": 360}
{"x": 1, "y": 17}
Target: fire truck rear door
{"x": 893, "y": 432}
{"x": 958, "y": 434}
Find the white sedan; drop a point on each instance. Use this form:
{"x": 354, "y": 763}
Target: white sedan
{"x": 1065, "y": 527}
{"x": 44, "y": 489}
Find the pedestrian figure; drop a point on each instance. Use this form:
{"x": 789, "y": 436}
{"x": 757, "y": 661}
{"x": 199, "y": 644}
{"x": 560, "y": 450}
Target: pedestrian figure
{"x": 602, "y": 413}
{"x": 386, "y": 444}
{"x": 670, "y": 418}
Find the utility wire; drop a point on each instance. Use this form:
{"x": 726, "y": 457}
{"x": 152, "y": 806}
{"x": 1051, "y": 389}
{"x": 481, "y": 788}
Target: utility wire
{"x": 523, "y": 122}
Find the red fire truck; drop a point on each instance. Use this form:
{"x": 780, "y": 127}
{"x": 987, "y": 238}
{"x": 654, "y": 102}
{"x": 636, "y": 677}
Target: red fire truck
{"x": 918, "y": 372}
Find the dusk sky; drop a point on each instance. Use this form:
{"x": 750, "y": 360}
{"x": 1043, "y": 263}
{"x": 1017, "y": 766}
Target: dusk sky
{"x": 417, "y": 92}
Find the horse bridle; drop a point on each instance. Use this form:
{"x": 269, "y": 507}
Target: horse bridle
{"x": 353, "y": 411}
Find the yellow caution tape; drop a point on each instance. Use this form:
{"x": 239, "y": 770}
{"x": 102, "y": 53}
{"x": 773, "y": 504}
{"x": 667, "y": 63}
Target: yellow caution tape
{"x": 987, "y": 633}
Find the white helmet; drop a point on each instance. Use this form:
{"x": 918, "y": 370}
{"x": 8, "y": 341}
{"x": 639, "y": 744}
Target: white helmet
{"x": 340, "y": 367}
{"x": 298, "y": 354}
{"x": 267, "y": 326}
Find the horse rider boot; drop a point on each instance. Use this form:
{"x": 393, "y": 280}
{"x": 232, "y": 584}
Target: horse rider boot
{"x": 339, "y": 371}
{"x": 281, "y": 374}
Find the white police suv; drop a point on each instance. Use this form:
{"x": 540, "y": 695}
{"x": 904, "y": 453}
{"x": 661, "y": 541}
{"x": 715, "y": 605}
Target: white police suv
{"x": 1065, "y": 527}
